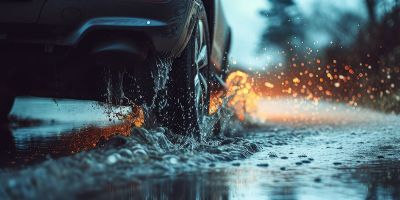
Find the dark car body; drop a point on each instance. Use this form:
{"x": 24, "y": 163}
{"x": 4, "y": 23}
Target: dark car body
{"x": 42, "y": 41}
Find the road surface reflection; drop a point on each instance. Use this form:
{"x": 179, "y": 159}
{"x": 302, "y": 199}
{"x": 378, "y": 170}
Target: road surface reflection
{"x": 324, "y": 160}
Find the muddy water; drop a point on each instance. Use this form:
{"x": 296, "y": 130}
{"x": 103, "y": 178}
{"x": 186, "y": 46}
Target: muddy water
{"x": 274, "y": 159}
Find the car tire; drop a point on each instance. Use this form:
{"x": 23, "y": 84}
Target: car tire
{"x": 187, "y": 95}
{"x": 6, "y": 103}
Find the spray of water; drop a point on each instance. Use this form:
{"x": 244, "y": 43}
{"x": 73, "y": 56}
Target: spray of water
{"x": 221, "y": 121}
{"x": 161, "y": 77}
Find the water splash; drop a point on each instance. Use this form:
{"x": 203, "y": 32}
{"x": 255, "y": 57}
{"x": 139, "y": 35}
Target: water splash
{"x": 115, "y": 95}
{"x": 161, "y": 77}
{"x": 145, "y": 152}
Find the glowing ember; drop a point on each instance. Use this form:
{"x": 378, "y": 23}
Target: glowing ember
{"x": 216, "y": 101}
{"x": 137, "y": 117}
{"x": 241, "y": 94}
{"x": 269, "y": 85}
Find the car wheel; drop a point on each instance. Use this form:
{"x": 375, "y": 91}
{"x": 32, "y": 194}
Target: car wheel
{"x": 6, "y": 103}
{"x": 188, "y": 94}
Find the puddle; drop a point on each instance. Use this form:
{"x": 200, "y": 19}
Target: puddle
{"x": 357, "y": 160}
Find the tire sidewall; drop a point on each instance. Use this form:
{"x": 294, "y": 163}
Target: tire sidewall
{"x": 181, "y": 114}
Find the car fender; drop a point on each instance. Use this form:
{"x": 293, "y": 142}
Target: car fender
{"x": 221, "y": 33}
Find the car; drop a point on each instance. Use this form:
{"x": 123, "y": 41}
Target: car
{"x": 166, "y": 54}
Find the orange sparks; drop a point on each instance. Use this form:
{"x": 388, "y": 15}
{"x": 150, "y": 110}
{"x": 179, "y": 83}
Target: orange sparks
{"x": 243, "y": 98}
{"x": 269, "y": 85}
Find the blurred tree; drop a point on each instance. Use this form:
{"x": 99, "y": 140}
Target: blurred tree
{"x": 284, "y": 25}
{"x": 371, "y": 7}
{"x": 361, "y": 65}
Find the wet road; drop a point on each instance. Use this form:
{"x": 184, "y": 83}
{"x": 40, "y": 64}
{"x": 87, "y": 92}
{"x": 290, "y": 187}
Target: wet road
{"x": 335, "y": 154}
{"x": 45, "y": 127}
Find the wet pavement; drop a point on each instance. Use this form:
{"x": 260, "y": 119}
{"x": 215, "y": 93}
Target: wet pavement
{"x": 346, "y": 155}
{"x": 45, "y": 127}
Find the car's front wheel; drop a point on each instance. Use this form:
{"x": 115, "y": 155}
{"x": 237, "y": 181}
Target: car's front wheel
{"x": 188, "y": 92}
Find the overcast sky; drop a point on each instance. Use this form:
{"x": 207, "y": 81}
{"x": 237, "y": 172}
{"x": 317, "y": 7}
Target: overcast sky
{"x": 247, "y": 27}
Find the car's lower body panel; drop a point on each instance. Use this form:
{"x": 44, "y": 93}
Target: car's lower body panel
{"x": 55, "y": 53}
{"x": 166, "y": 24}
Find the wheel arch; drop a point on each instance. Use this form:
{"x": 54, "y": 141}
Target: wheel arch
{"x": 220, "y": 33}
{"x": 210, "y": 10}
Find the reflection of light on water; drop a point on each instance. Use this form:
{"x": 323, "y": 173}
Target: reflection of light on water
{"x": 63, "y": 127}
{"x": 291, "y": 110}
{"x": 58, "y": 116}
{"x": 65, "y": 110}
{"x": 250, "y": 104}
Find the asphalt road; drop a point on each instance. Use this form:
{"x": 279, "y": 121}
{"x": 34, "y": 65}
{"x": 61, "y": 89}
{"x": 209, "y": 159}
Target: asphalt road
{"x": 296, "y": 151}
